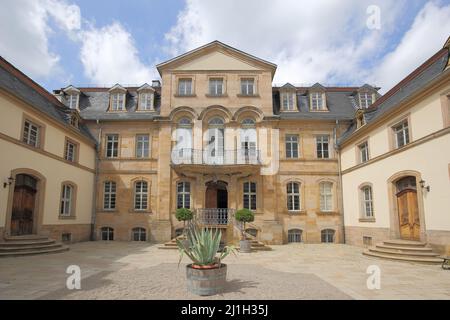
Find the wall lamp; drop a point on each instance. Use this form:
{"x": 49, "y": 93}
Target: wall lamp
{"x": 422, "y": 185}
{"x": 10, "y": 181}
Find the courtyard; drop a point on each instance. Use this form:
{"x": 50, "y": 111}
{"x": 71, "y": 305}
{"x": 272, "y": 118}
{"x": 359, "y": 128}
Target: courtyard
{"x": 124, "y": 270}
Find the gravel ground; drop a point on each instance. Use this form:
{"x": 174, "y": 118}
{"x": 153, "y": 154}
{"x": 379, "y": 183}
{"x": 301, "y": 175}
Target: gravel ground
{"x": 167, "y": 280}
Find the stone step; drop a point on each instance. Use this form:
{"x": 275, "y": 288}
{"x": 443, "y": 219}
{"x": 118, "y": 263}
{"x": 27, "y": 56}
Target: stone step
{"x": 406, "y": 249}
{"x": 20, "y": 243}
{"x": 29, "y": 247}
{"x": 25, "y": 237}
{"x": 404, "y": 252}
{"x": 425, "y": 260}
{"x": 62, "y": 248}
{"x": 404, "y": 243}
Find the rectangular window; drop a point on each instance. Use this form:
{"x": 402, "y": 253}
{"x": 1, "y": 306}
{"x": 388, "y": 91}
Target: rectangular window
{"x": 366, "y": 99}
{"x": 326, "y": 196}
{"x": 367, "y": 202}
{"x": 31, "y": 133}
{"x": 66, "y": 200}
{"x": 401, "y": 134}
{"x": 293, "y": 196}
{"x": 146, "y": 101}
{"x": 250, "y": 195}
{"x": 73, "y": 101}
{"x": 248, "y": 87}
{"x": 117, "y": 101}
{"x": 112, "y": 145}
{"x": 216, "y": 86}
{"x": 70, "y": 151}
{"x": 140, "y": 195}
{"x": 109, "y": 195}
{"x": 364, "y": 152}
{"x": 287, "y": 101}
{"x": 291, "y": 146}
{"x": 317, "y": 101}
{"x": 142, "y": 146}
{"x": 185, "y": 87}
{"x": 322, "y": 143}
{"x": 183, "y": 195}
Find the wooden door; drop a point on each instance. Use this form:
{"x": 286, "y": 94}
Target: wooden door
{"x": 211, "y": 197}
{"x": 408, "y": 212}
{"x": 23, "y": 210}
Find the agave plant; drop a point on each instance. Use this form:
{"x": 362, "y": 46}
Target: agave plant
{"x": 203, "y": 245}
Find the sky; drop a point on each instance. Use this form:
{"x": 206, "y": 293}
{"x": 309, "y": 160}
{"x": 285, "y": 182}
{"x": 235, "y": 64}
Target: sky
{"x": 333, "y": 42}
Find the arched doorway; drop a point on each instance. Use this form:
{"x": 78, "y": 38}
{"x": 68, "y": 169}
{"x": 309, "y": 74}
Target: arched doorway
{"x": 23, "y": 214}
{"x": 216, "y": 195}
{"x": 408, "y": 208}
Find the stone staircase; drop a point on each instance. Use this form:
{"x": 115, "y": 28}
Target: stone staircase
{"x": 404, "y": 250}
{"x": 29, "y": 245}
{"x": 172, "y": 244}
{"x": 258, "y": 246}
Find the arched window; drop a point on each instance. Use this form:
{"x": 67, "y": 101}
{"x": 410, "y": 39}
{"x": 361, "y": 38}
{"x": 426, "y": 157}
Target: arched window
{"x": 248, "y": 122}
{"x": 140, "y": 195}
{"x": 183, "y": 194}
{"x": 293, "y": 196}
{"x": 327, "y": 235}
{"x": 216, "y": 121}
{"x": 326, "y": 196}
{"x": 139, "y": 234}
{"x": 216, "y": 141}
{"x": 185, "y": 122}
{"x": 67, "y": 200}
{"x": 109, "y": 195}
{"x": 107, "y": 233}
{"x": 367, "y": 201}
{"x": 295, "y": 235}
{"x": 250, "y": 195}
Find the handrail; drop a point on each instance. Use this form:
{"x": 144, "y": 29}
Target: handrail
{"x": 212, "y": 156}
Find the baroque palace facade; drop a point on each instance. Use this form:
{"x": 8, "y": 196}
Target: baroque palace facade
{"x": 315, "y": 164}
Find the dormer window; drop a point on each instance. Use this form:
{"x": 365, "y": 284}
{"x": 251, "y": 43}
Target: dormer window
{"x": 73, "y": 100}
{"x": 317, "y": 101}
{"x": 117, "y": 101}
{"x": 74, "y": 121}
{"x": 146, "y": 101}
{"x": 288, "y": 101}
{"x": 365, "y": 99}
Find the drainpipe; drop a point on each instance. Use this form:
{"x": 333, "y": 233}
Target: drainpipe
{"x": 341, "y": 199}
{"x": 94, "y": 201}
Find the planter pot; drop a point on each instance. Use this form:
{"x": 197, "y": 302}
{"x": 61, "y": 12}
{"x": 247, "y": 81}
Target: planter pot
{"x": 206, "y": 281}
{"x": 245, "y": 246}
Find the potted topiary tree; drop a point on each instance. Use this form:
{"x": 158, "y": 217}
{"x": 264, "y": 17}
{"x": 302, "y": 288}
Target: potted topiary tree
{"x": 244, "y": 216}
{"x": 184, "y": 214}
{"x": 206, "y": 275}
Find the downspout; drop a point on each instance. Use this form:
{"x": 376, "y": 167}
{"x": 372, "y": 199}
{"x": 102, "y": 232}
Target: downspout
{"x": 341, "y": 198}
{"x": 94, "y": 201}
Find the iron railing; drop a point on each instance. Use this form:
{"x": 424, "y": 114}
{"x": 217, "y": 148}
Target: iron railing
{"x": 214, "y": 216}
{"x": 215, "y": 156}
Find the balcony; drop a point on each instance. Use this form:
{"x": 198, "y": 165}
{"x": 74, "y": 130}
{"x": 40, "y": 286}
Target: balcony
{"x": 209, "y": 161}
{"x": 214, "y": 217}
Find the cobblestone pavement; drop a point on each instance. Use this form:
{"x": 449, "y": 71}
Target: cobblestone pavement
{"x": 124, "y": 270}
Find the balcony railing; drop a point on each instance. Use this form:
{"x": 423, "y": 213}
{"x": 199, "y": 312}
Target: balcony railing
{"x": 216, "y": 157}
{"x": 214, "y": 216}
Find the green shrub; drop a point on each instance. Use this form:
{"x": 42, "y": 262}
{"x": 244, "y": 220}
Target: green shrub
{"x": 244, "y": 216}
{"x": 184, "y": 214}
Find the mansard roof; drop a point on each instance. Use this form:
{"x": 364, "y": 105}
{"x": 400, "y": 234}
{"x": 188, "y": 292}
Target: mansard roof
{"x": 21, "y": 86}
{"x": 94, "y": 104}
{"x": 415, "y": 82}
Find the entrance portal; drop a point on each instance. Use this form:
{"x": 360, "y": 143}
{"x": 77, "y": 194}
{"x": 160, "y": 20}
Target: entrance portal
{"x": 216, "y": 195}
{"x": 408, "y": 208}
{"x": 23, "y": 208}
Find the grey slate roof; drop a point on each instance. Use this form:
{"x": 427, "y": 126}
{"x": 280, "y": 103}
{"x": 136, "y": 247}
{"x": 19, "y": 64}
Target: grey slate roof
{"x": 413, "y": 83}
{"x": 18, "y": 84}
{"x": 341, "y": 105}
{"x": 94, "y": 106}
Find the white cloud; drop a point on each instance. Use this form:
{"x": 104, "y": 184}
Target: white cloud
{"x": 311, "y": 41}
{"x": 25, "y": 31}
{"x": 426, "y": 36}
{"x": 109, "y": 56}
